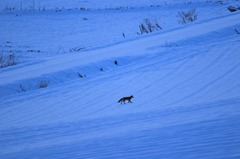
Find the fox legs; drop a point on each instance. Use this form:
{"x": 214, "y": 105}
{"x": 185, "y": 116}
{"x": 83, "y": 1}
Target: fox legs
{"x": 123, "y": 101}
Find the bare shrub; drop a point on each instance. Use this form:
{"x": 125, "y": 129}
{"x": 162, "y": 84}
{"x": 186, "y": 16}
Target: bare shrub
{"x": 188, "y": 16}
{"x": 170, "y": 44}
{"x": 233, "y": 9}
{"x": 9, "y": 8}
{"x": 123, "y": 35}
{"x": 22, "y": 88}
{"x": 43, "y": 83}
{"x": 149, "y": 26}
{"x": 237, "y": 31}
{"x": 143, "y": 29}
{"x": 79, "y": 75}
{"x": 7, "y": 60}
{"x": 76, "y": 49}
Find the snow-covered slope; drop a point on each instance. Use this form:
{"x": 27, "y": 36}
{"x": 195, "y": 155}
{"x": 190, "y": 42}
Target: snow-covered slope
{"x": 186, "y": 88}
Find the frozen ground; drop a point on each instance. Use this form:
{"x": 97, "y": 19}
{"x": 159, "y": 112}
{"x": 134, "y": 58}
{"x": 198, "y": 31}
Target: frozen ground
{"x": 185, "y": 80}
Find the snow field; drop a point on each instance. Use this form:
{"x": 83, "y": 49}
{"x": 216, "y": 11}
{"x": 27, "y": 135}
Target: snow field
{"x": 186, "y": 97}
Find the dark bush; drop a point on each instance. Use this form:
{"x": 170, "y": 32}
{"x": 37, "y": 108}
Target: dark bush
{"x": 188, "y": 16}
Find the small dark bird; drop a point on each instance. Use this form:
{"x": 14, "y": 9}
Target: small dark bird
{"x": 116, "y": 62}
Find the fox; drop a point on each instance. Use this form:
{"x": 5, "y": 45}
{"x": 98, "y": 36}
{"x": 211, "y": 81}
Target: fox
{"x": 126, "y": 98}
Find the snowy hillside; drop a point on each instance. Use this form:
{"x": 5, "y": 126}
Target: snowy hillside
{"x": 64, "y": 68}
